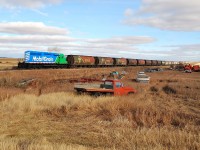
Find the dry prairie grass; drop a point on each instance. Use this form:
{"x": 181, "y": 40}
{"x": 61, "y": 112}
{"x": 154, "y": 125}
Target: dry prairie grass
{"x": 103, "y": 123}
{"x": 8, "y": 63}
{"x": 154, "y": 118}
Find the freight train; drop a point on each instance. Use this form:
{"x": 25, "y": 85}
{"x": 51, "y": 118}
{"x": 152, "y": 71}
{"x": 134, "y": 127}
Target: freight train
{"x": 36, "y": 59}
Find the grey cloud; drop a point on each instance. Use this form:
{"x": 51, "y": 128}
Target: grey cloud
{"x": 98, "y": 47}
{"x": 128, "y": 12}
{"x": 37, "y": 39}
{"x": 179, "y": 53}
{"x": 179, "y": 15}
{"x": 27, "y": 3}
{"x": 122, "y": 46}
{"x": 188, "y": 51}
{"x": 124, "y": 40}
{"x": 31, "y": 28}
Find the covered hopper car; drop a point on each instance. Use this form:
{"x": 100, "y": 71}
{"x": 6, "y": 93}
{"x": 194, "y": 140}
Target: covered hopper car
{"x": 120, "y": 61}
{"x": 104, "y": 61}
{"x": 80, "y": 61}
{"x": 141, "y": 62}
{"x": 154, "y": 62}
{"x": 132, "y": 62}
{"x": 148, "y": 62}
{"x": 159, "y": 63}
{"x": 163, "y": 63}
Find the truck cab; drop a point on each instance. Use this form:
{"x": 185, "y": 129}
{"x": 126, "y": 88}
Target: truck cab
{"x": 118, "y": 87}
{"x": 109, "y": 87}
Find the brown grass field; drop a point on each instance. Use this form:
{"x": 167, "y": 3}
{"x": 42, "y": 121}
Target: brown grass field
{"x": 8, "y": 63}
{"x": 45, "y": 113}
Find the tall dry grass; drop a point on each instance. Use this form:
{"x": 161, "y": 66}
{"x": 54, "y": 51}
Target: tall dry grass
{"x": 164, "y": 114}
{"x": 101, "y": 123}
{"x": 8, "y": 63}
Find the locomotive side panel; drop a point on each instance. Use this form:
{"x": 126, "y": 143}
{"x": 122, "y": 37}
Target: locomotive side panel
{"x": 40, "y": 57}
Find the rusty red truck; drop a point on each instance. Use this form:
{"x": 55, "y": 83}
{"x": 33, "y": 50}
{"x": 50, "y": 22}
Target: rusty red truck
{"x": 196, "y": 68}
{"x": 108, "y": 87}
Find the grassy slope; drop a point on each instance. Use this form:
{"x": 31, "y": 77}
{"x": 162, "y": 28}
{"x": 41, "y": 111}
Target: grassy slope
{"x": 164, "y": 114}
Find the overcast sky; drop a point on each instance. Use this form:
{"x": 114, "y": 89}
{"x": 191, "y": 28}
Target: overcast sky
{"x": 147, "y": 29}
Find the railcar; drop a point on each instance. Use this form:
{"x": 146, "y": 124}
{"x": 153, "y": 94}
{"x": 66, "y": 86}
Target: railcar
{"x": 163, "y": 63}
{"x": 159, "y": 63}
{"x": 80, "y": 61}
{"x": 141, "y": 62}
{"x": 168, "y": 63}
{"x": 104, "y": 61}
{"x": 148, "y": 62}
{"x": 154, "y": 62}
{"x": 132, "y": 62}
{"x": 120, "y": 61}
{"x": 36, "y": 59}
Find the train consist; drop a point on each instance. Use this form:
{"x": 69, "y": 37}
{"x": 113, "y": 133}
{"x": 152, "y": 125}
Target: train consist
{"x": 36, "y": 59}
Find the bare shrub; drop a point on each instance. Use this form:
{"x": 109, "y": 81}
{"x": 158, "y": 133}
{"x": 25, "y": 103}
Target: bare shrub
{"x": 169, "y": 90}
{"x": 3, "y": 81}
{"x": 172, "y": 80}
{"x": 153, "y": 89}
